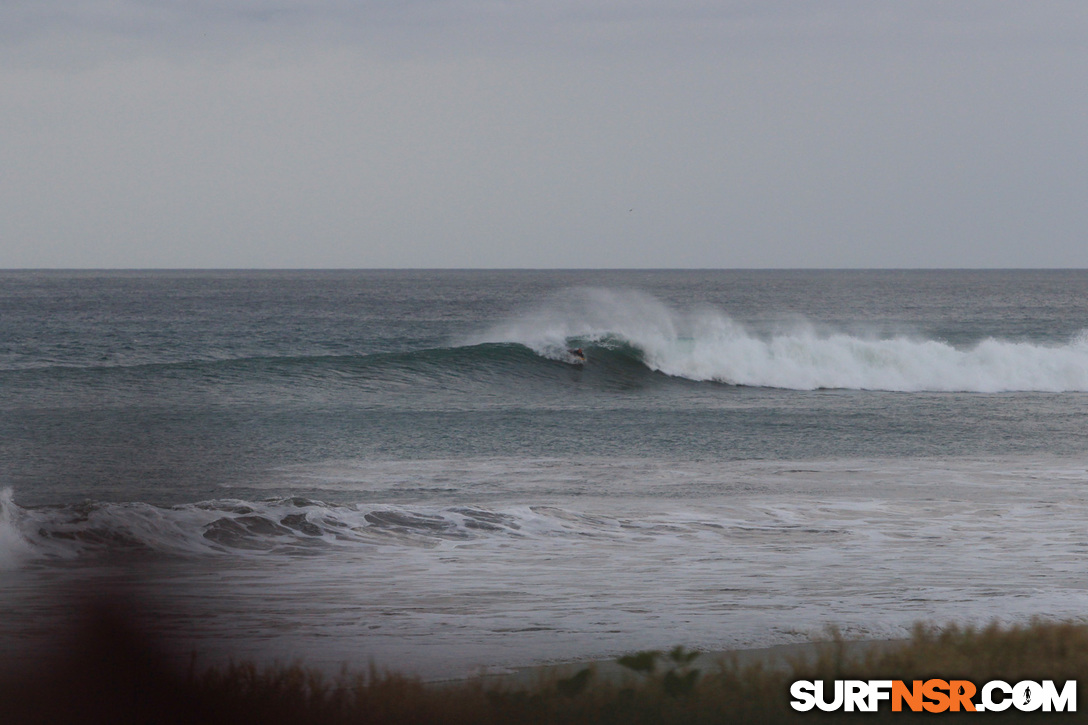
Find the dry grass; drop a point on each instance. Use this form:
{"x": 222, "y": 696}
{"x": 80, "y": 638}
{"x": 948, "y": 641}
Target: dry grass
{"x": 115, "y": 677}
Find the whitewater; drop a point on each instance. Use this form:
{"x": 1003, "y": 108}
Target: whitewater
{"x": 707, "y": 345}
{"x": 741, "y": 555}
{"x": 405, "y": 467}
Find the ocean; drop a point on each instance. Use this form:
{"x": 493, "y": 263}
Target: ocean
{"x": 410, "y": 468}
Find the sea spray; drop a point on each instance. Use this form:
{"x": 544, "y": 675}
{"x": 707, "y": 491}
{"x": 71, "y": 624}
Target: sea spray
{"x": 589, "y": 315}
{"x": 706, "y": 344}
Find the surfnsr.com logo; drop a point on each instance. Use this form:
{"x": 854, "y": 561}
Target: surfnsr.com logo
{"x": 933, "y": 696}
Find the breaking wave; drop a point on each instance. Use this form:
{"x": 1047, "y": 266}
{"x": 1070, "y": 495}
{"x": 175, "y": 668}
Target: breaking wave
{"x": 14, "y": 548}
{"x": 297, "y": 526}
{"x": 278, "y": 527}
{"x": 707, "y": 345}
{"x": 626, "y": 334}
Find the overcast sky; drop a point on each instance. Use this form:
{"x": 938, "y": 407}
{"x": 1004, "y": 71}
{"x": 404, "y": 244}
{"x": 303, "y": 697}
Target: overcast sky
{"x": 543, "y": 133}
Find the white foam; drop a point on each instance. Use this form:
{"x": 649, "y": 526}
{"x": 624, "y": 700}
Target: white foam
{"x": 707, "y": 345}
{"x": 766, "y": 553}
{"x": 14, "y": 548}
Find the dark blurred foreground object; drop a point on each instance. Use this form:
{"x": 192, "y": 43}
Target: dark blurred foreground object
{"x": 112, "y": 674}
{"x": 109, "y": 674}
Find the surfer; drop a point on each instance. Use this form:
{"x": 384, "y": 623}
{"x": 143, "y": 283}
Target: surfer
{"x": 579, "y": 356}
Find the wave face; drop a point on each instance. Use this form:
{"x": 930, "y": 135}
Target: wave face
{"x": 218, "y": 390}
{"x": 322, "y": 337}
{"x": 705, "y": 344}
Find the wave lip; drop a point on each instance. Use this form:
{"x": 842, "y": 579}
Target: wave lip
{"x": 705, "y": 344}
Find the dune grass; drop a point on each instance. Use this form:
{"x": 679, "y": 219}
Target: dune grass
{"x": 118, "y": 678}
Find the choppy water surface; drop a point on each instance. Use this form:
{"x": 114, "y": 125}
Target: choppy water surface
{"x": 407, "y": 467}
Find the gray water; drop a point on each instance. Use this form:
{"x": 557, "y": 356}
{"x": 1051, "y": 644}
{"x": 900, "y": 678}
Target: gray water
{"x": 409, "y": 467}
